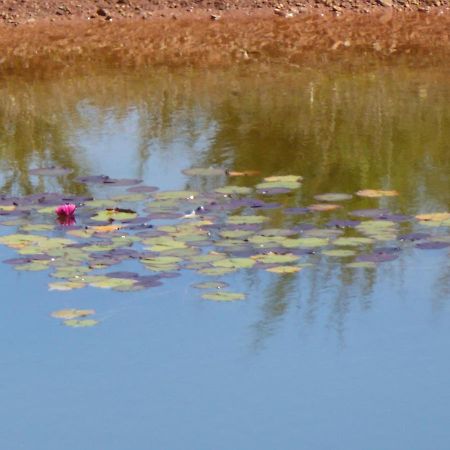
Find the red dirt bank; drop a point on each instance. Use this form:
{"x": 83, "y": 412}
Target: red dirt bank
{"x": 53, "y": 35}
{"x": 15, "y": 12}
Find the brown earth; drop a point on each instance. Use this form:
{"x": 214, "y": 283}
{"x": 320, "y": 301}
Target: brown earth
{"x": 16, "y": 12}
{"x": 54, "y": 35}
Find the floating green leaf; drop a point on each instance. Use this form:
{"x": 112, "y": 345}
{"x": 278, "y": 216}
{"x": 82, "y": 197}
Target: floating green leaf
{"x": 223, "y": 296}
{"x": 210, "y": 285}
{"x": 284, "y": 269}
{"x": 352, "y": 241}
{"x": 273, "y": 258}
{"x": 307, "y": 242}
{"x": 74, "y": 323}
{"x": 339, "y": 253}
{"x": 204, "y": 172}
{"x": 176, "y": 195}
{"x": 246, "y": 220}
{"x": 69, "y": 314}
{"x": 114, "y": 214}
{"x": 65, "y": 285}
{"x": 376, "y": 193}
{"x": 235, "y": 263}
{"x": 234, "y": 190}
{"x": 333, "y": 197}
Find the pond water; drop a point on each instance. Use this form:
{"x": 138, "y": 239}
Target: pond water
{"x": 334, "y": 355}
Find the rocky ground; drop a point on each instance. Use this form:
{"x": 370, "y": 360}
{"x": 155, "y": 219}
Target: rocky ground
{"x": 15, "y": 12}
{"x": 54, "y": 35}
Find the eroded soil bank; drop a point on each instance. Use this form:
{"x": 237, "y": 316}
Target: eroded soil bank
{"x": 48, "y": 37}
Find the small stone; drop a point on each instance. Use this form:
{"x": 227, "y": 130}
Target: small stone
{"x": 386, "y": 3}
{"x": 102, "y": 12}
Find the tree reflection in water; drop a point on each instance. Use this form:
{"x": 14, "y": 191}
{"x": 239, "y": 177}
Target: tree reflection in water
{"x": 377, "y": 128}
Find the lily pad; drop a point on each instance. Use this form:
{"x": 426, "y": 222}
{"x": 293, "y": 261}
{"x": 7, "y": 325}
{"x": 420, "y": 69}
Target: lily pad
{"x": 243, "y": 173}
{"x": 339, "y": 253}
{"x": 176, "y": 195}
{"x": 284, "y": 269}
{"x": 323, "y": 207}
{"x": 274, "y": 258}
{"x": 110, "y": 215}
{"x": 204, "y": 172}
{"x": 296, "y": 211}
{"x": 244, "y": 220}
{"x": 352, "y": 241}
{"x": 68, "y": 314}
{"x": 65, "y": 285}
{"x": 343, "y": 223}
{"x": 333, "y": 197}
{"x": 280, "y": 182}
{"x": 432, "y": 245}
{"x": 376, "y": 193}
{"x": 434, "y": 217}
{"x": 235, "y": 234}
{"x": 310, "y": 242}
{"x": 234, "y": 190}
{"x": 74, "y": 323}
{"x": 211, "y": 285}
{"x": 235, "y": 263}
{"x": 223, "y": 296}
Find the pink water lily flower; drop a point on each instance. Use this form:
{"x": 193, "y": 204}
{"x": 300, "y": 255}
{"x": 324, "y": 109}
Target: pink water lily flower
{"x": 66, "y": 210}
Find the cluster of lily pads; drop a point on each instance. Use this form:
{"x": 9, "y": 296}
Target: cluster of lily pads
{"x": 216, "y": 233}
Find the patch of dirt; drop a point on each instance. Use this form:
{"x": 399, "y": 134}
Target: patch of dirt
{"x": 16, "y": 12}
{"x": 65, "y": 35}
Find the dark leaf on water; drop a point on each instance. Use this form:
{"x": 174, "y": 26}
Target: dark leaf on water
{"x": 266, "y": 206}
{"x": 296, "y": 211}
{"x": 123, "y": 274}
{"x": 274, "y": 191}
{"x": 26, "y": 260}
{"x": 432, "y": 245}
{"x": 77, "y": 199}
{"x": 343, "y": 223}
{"x": 396, "y": 218}
{"x": 414, "y": 237}
{"x": 106, "y": 180}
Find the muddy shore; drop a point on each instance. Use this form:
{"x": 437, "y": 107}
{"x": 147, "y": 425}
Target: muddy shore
{"x": 51, "y": 36}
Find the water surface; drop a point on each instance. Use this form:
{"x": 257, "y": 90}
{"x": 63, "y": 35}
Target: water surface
{"x": 329, "y": 358}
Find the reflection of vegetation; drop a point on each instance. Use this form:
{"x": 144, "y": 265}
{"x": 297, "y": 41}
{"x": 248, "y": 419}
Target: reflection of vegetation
{"x": 35, "y": 126}
{"x": 341, "y": 132}
{"x": 385, "y": 129}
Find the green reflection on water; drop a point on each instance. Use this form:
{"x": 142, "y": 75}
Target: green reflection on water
{"x": 342, "y": 132}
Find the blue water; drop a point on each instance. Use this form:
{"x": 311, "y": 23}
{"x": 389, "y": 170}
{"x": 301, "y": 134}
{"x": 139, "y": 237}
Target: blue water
{"x": 319, "y": 361}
